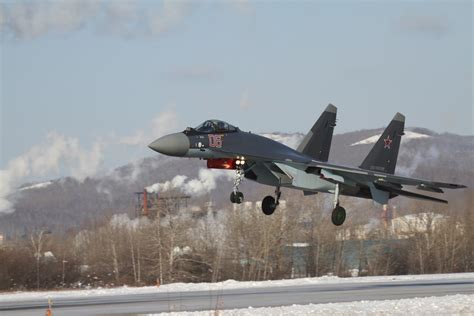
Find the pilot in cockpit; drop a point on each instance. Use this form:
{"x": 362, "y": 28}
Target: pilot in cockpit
{"x": 215, "y": 126}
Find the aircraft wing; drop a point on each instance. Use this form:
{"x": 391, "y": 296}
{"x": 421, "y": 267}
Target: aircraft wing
{"x": 379, "y": 182}
{"x": 380, "y": 177}
{"x": 358, "y": 174}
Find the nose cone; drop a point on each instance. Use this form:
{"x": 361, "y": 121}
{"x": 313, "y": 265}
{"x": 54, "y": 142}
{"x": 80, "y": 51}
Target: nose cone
{"x": 171, "y": 145}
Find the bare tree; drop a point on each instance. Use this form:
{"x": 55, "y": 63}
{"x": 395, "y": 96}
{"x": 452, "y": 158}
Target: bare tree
{"x": 37, "y": 242}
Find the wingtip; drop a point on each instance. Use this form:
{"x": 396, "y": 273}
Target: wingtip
{"x": 399, "y": 117}
{"x": 331, "y": 108}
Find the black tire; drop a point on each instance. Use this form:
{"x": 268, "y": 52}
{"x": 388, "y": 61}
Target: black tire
{"x": 268, "y": 205}
{"x": 236, "y": 198}
{"x": 338, "y": 216}
{"x": 240, "y": 197}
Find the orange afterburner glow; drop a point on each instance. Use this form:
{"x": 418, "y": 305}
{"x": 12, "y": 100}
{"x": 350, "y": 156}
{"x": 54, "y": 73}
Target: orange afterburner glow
{"x": 221, "y": 163}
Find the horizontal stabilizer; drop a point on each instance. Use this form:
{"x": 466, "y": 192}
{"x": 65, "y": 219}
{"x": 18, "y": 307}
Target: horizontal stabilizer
{"x": 410, "y": 194}
{"x": 451, "y": 186}
{"x": 429, "y": 188}
{"x": 425, "y": 185}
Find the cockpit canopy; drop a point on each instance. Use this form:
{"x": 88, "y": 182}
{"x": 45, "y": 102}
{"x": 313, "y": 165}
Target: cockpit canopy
{"x": 215, "y": 126}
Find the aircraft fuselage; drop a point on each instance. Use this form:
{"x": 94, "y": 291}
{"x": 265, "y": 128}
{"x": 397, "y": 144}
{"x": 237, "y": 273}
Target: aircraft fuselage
{"x": 253, "y": 148}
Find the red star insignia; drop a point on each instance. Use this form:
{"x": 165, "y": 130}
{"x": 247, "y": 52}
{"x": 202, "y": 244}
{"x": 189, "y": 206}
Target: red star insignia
{"x": 388, "y": 142}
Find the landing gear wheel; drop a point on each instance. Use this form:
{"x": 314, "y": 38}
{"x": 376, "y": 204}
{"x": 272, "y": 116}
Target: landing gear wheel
{"x": 268, "y": 205}
{"x": 237, "y": 197}
{"x": 240, "y": 197}
{"x": 338, "y": 215}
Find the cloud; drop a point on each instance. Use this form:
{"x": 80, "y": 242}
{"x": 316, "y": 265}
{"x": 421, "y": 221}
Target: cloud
{"x": 430, "y": 25}
{"x": 121, "y": 18}
{"x": 416, "y": 158}
{"x": 243, "y": 7}
{"x": 33, "y": 19}
{"x": 171, "y": 15}
{"x": 123, "y": 221}
{"x": 175, "y": 183}
{"x": 162, "y": 124}
{"x": 203, "y": 184}
{"x": 56, "y": 152}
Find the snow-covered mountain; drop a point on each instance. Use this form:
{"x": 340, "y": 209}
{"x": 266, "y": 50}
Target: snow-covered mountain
{"x": 36, "y": 186}
{"x": 68, "y": 203}
{"x": 409, "y": 135}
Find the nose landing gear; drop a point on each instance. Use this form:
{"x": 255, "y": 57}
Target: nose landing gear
{"x": 236, "y": 196}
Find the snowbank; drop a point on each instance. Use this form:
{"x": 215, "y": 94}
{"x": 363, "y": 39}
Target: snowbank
{"x": 226, "y": 285}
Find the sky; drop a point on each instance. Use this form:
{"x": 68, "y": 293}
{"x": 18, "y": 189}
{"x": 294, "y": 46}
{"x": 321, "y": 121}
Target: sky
{"x": 86, "y": 85}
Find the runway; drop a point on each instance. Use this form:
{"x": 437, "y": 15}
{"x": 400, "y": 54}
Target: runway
{"x": 143, "y": 303}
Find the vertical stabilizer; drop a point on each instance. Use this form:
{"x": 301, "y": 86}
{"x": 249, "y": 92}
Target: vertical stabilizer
{"x": 384, "y": 154}
{"x": 317, "y": 143}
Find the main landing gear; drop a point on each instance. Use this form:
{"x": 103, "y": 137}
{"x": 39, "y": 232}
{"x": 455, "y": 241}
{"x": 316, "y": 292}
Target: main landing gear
{"x": 236, "y": 196}
{"x": 339, "y": 213}
{"x": 269, "y": 203}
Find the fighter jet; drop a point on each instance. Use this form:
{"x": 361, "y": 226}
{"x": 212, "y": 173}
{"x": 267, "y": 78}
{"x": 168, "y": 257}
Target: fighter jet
{"x": 271, "y": 163}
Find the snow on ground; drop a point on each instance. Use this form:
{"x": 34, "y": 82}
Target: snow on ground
{"x": 226, "y": 285}
{"x": 444, "y": 305}
{"x": 408, "y": 136}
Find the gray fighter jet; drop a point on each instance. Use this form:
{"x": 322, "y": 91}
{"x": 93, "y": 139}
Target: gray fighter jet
{"x": 271, "y": 163}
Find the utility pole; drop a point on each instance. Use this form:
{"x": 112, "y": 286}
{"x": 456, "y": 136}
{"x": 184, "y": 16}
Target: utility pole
{"x": 37, "y": 244}
{"x": 64, "y": 272}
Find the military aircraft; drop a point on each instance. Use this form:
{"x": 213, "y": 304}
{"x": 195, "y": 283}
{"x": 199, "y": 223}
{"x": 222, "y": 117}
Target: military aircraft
{"x": 268, "y": 162}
